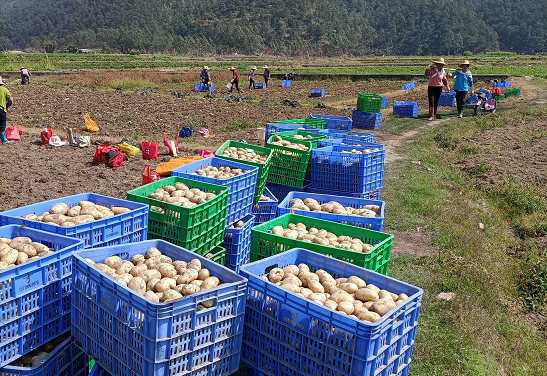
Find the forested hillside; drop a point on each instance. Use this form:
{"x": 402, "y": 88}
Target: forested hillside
{"x": 328, "y": 27}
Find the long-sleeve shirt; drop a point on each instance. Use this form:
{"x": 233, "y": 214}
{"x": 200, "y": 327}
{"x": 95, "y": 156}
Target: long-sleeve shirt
{"x": 205, "y": 74}
{"x": 236, "y": 76}
{"x": 266, "y": 73}
{"x": 25, "y": 72}
{"x": 463, "y": 80}
{"x": 437, "y": 78}
{"x": 252, "y": 74}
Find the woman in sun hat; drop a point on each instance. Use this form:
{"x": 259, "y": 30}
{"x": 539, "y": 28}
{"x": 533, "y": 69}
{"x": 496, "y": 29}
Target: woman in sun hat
{"x": 205, "y": 76}
{"x": 252, "y": 78}
{"x": 235, "y": 80}
{"x": 464, "y": 81}
{"x": 437, "y": 78}
{"x": 266, "y": 74}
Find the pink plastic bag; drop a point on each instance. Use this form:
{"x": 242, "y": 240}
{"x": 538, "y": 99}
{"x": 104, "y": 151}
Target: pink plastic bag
{"x": 204, "y": 132}
{"x": 205, "y": 154}
{"x": 172, "y": 146}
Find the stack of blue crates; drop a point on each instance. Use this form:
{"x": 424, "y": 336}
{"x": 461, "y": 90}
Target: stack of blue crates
{"x": 447, "y": 99}
{"x": 334, "y": 122}
{"x": 369, "y": 120}
{"x": 285, "y": 83}
{"x": 317, "y": 93}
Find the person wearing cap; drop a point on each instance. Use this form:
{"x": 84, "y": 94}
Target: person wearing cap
{"x": 6, "y": 101}
{"x": 266, "y": 75}
{"x": 25, "y": 76}
{"x": 464, "y": 81}
{"x": 205, "y": 76}
{"x": 252, "y": 78}
{"x": 235, "y": 80}
{"x": 437, "y": 78}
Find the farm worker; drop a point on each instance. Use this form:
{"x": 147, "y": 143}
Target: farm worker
{"x": 205, "y": 76}
{"x": 437, "y": 78}
{"x": 464, "y": 81}
{"x": 25, "y": 76}
{"x": 252, "y": 78}
{"x": 495, "y": 90}
{"x": 266, "y": 75}
{"x": 6, "y": 101}
{"x": 235, "y": 80}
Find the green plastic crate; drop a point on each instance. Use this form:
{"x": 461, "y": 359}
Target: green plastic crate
{"x": 218, "y": 256}
{"x": 289, "y": 136}
{"x": 369, "y": 103}
{"x": 316, "y": 123}
{"x": 498, "y": 98}
{"x": 197, "y": 229}
{"x": 263, "y": 168}
{"x": 265, "y": 244}
{"x": 289, "y": 169}
{"x": 512, "y": 93}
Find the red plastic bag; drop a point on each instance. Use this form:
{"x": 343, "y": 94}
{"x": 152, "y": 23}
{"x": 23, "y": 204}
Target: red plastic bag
{"x": 101, "y": 151}
{"x": 46, "y": 135}
{"x": 205, "y": 154}
{"x": 150, "y": 150}
{"x": 117, "y": 160}
{"x": 149, "y": 176}
{"x": 14, "y": 133}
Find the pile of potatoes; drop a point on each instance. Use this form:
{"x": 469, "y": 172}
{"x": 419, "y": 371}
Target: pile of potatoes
{"x": 334, "y": 207}
{"x": 19, "y": 250}
{"x": 351, "y": 296}
{"x": 354, "y": 151}
{"x": 86, "y": 211}
{"x": 34, "y": 358}
{"x": 300, "y": 137}
{"x": 221, "y": 173}
{"x": 244, "y": 155}
{"x": 180, "y": 194}
{"x": 158, "y": 278}
{"x": 265, "y": 198}
{"x": 281, "y": 142}
{"x": 237, "y": 224}
{"x": 313, "y": 235}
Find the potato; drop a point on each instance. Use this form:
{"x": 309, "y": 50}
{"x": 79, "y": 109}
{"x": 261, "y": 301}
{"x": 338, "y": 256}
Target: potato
{"x": 121, "y": 279}
{"x": 276, "y": 275}
{"x": 317, "y": 296}
{"x": 306, "y": 277}
{"x": 341, "y": 296}
{"x": 119, "y": 210}
{"x": 177, "y": 263}
{"x": 138, "y": 285}
{"x": 402, "y": 296}
{"x": 165, "y": 284}
{"x": 208, "y": 303}
{"x": 196, "y": 282}
{"x": 74, "y": 211}
{"x": 126, "y": 277}
{"x": 21, "y": 258}
{"x": 178, "y": 288}
{"x": 5, "y": 240}
{"x": 291, "y": 269}
{"x": 384, "y": 294}
{"x": 4, "y": 248}
{"x": 55, "y": 218}
{"x": 291, "y": 287}
{"x": 113, "y": 261}
{"x": 165, "y": 259}
{"x": 171, "y": 295}
{"x": 153, "y": 262}
{"x": 125, "y": 267}
{"x": 399, "y": 302}
{"x": 32, "y": 217}
{"x": 346, "y": 307}
{"x": 28, "y": 249}
{"x": 137, "y": 269}
{"x": 167, "y": 270}
{"x": 324, "y": 276}
{"x": 160, "y": 296}
{"x": 383, "y": 306}
{"x": 303, "y": 268}
{"x": 151, "y": 284}
{"x": 41, "y": 216}
{"x": 190, "y": 289}
{"x": 81, "y": 219}
{"x": 203, "y": 274}
{"x": 331, "y": 304}
{"x": 90, "y": 261}
{"x": 138, "y": 259}
{"x": 366, "y": 295}
{"x": 373, "y": 287}
{"x": 44, "y": 254}
{"x": 194, "y": 264}
{"x": 3, "y": 266}
{"x": 350, "y": 288}
{"x": 305, "y": 291}
{"x": 152, "y": 252}
{"x": 86, "y": 204}
{"x": 330, "y": 287}
{"x": 10, "y": 257}
{"x": 68, "y": 224}
{"x": 149, "y": 274}
{"x": 38, "y": 247}
{"x": 369, "y": 316}
{"x": 187, "y": 276}
{"x": 38, "y": 358}
{"x": 106, "y": 269}
{"x": 60, "y": 208}
{"x": 180, "y": 268}
{"x": 92, "y": 212}
{"x": 151, "y": 296}
{"x": 395, "y": 297}
{"x": 327, "y": 208}
{"x": 315, "y": 286}
{"x": 210, "y": 283}
{"x": 358, "y": 281}
{"x": 357, "y": 310}
{"x": 290, "y": 278}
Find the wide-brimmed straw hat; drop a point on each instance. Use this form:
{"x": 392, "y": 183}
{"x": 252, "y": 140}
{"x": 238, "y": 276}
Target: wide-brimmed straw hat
{"x": 439, "y": 61}
{"x": 231, "y": 68}
{"x": 466, "y": 62}
{"x": 253, "y": 67}
{"x": 1, "y": 82}
{"x": 265, "y": 67}
{"x": 205, "y": 67}
{"x": 22, "y": 67}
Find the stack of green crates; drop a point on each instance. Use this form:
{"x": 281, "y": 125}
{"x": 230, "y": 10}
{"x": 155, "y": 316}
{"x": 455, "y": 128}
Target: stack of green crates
{"x": 289, "y": 165}
{"x": 316, "y": 123}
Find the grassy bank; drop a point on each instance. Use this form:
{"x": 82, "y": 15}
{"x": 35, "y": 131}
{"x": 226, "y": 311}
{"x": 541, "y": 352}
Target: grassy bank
{"x": 483, "y": 330}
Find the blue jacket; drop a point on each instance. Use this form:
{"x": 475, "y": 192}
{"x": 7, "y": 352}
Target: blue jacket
{"x": 463, "y": 80}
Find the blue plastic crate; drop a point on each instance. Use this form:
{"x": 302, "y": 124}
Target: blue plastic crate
{"x": 348, "y": 142}
{"x": 373, "y": 194}
{"x": 409, "y": 86}
{"x": 286, "y": 334}
{"x": 260, "y": 86}
{"x": 384, "y": 101}
{"x": 265, "y": 210}
{"x": 242, "y": 187}
{"x": 406, "y": 109}
{"x": 507, "y": 84}
{"x": 65, "y": 360}
{"x": 371, "y": 223}
{"x": 367, "y": 120}
{"x": 35, "y": 296}
{"x": 238, "y": 244}
{"x": 203, "y": 87}
{"x": 317, "y": 93}
{"x": 334, "y": 169}
{"x": 285, "y": 83}
{"x": 348, "y": 135}
{"x": 124, "y": 228}
{"x": 128, "y": 334}
{"x": 334, "y": 122}
{"x": 282, "y": 127}
{"x": 472, "y": 99}
{"x": 447, "y": 99}
{"x": 281, "y": 191}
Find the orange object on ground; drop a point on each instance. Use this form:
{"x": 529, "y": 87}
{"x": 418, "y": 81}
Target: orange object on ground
{"x": 164, "y": 169}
